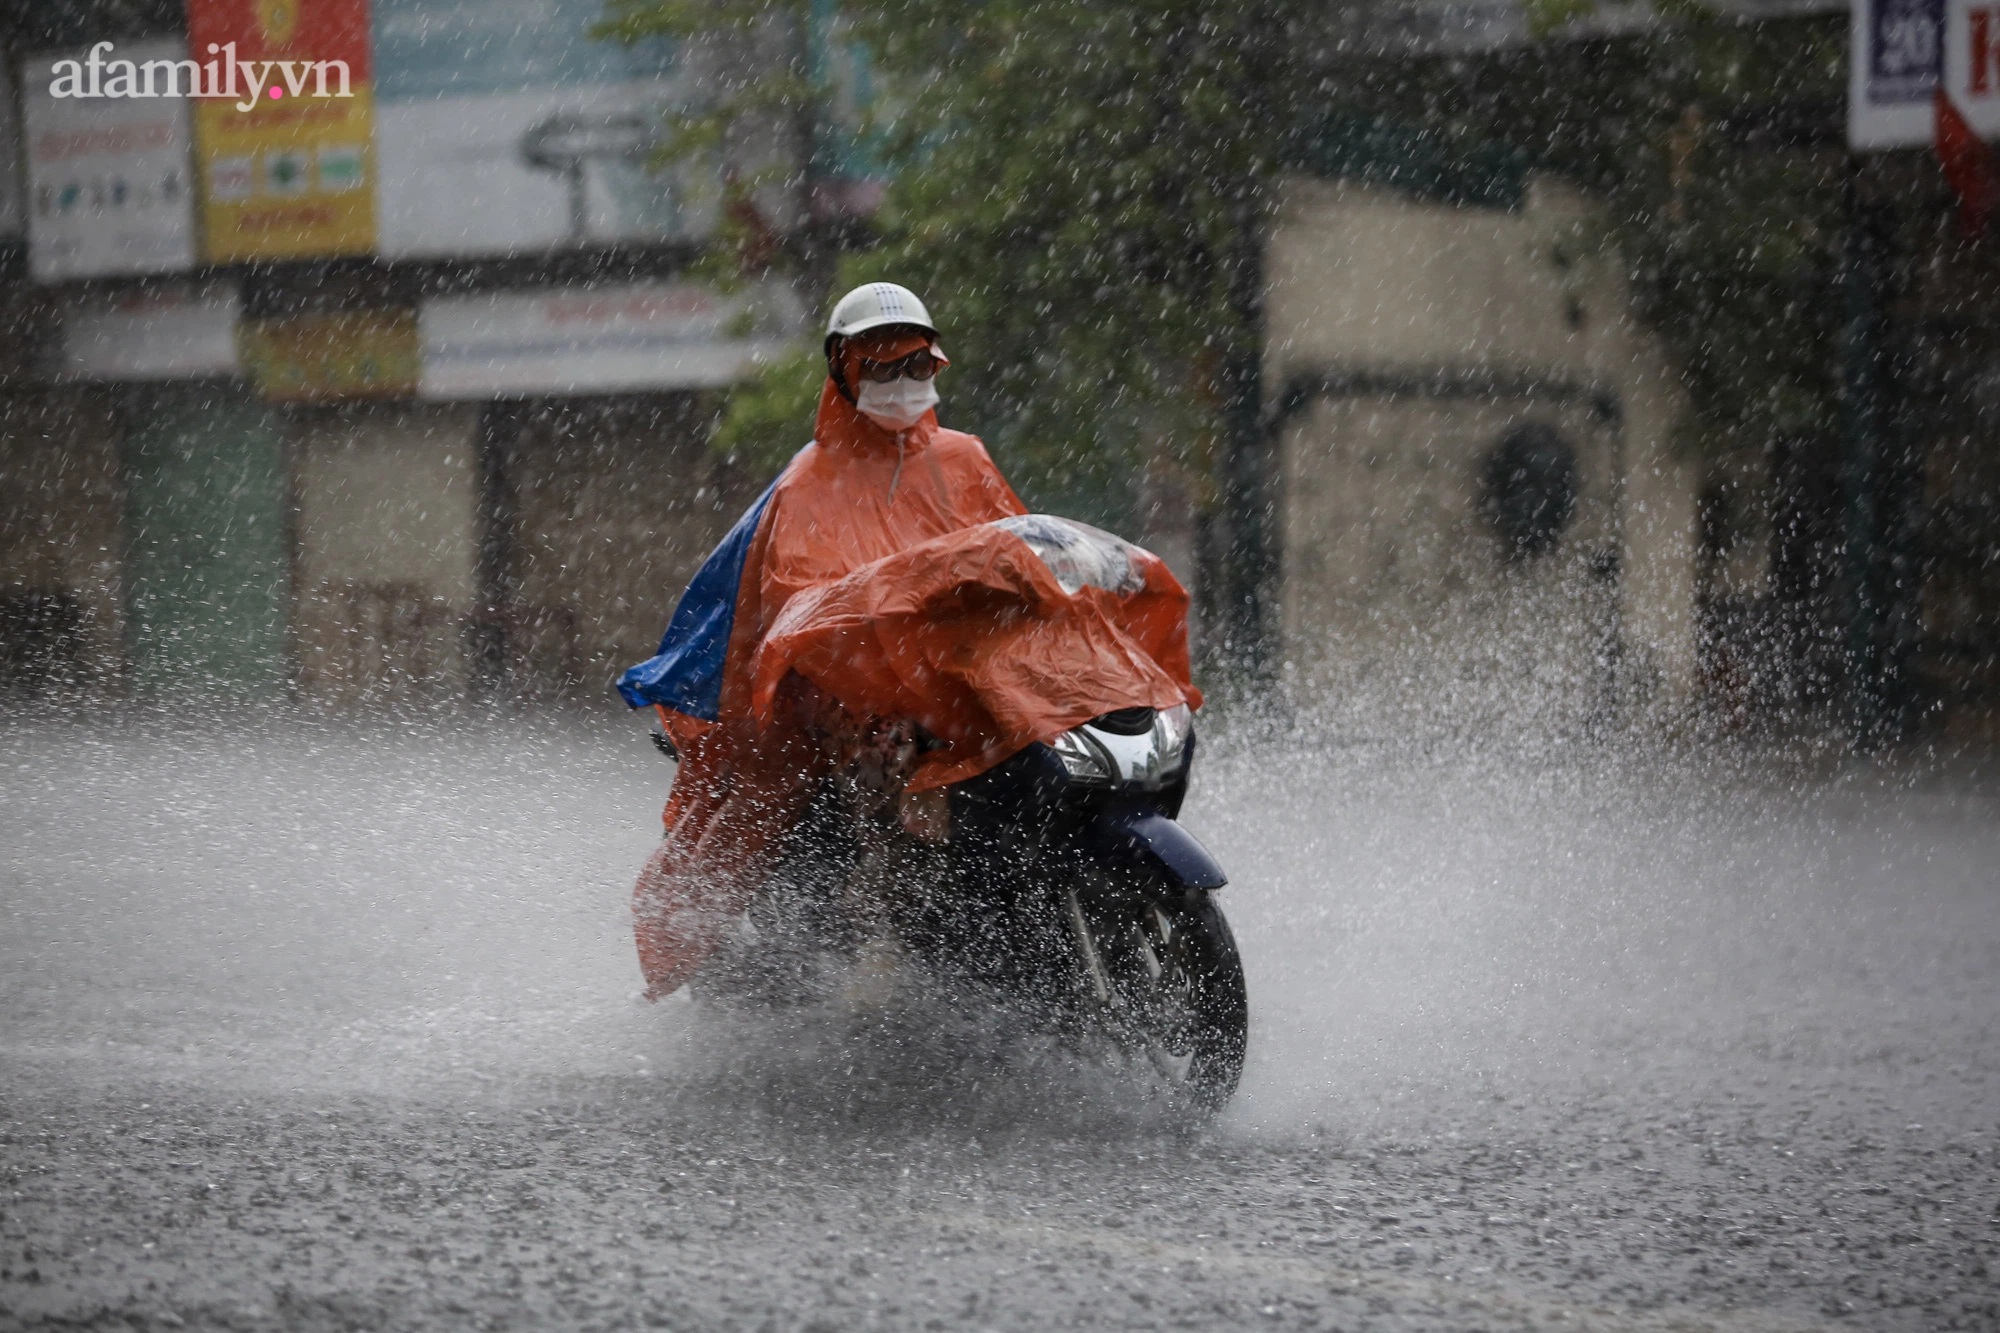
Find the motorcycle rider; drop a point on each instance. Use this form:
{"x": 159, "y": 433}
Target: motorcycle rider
{"x": 879, "y": 476}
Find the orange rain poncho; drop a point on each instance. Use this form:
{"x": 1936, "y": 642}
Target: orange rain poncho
{"x": 858, "y": 572}
{"x": 990, "y": 638}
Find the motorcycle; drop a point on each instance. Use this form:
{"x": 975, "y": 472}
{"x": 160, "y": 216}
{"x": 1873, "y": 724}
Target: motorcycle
{"x": 1059, "y": 881}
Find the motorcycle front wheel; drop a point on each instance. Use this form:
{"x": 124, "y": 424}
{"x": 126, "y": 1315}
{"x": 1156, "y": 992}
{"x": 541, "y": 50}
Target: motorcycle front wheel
{"x": 1165, "y": 978}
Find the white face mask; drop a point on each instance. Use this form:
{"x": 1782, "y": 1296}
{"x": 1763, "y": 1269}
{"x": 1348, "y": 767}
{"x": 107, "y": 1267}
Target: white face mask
{"x": 899, "y": 404}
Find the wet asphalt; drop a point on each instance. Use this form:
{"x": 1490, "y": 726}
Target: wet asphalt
{"x": 331, "y": 1026}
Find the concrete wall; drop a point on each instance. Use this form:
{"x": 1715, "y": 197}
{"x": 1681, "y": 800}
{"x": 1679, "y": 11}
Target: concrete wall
{"x": 62, "y": 540}
{"x": 604, "y": 510}
{"x": 1428, "y": 332}
{"x": 1399, "y": 592}
{"x": 385, "y": 550}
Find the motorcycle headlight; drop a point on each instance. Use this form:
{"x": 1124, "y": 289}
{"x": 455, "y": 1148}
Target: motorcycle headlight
{"x": 1100, "y": 756}
{"x": 1172, "y": 728}
{"x": 1084, "y": 759}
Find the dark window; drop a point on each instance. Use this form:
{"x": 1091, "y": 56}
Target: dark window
{"x": 1530, "y": 489}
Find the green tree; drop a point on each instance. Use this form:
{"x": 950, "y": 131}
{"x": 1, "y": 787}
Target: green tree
{"x": 1713, "y": 142}
{"x": 1078, "y": 188}
{"x": 1072, "y": 188}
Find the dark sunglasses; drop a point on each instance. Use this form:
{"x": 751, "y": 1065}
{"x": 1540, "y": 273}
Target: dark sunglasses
{"x": 918, "y": 365}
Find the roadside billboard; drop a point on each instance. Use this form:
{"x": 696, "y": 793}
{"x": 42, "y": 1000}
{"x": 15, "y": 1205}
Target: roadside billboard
{"x": 331, "y": 356}
{"x": 1895, "y": 62}
{"x": 287, "y": 165}
{"x": 108, "y": 181}
{"x": 559, "y": 341}
{"x": 628, "y": 338}
{"x": 505, "y": 127}
{"x": 168, "y": 331}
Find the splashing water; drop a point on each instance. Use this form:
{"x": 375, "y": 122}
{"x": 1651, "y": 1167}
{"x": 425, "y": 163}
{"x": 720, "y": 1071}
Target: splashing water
{"x": 439, "y": 908}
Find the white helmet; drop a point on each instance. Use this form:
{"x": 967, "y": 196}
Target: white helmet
{"x": 874, "y": 305}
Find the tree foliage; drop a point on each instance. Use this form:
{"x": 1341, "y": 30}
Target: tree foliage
{"x": 1710, "y": 140}
{"x": 1071, "y": 184}
{"x": 1069, "y": 190}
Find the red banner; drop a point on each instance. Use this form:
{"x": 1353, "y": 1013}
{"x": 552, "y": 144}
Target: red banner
{"x": 1969, "y": 166}
{"x": 282, "y": 30}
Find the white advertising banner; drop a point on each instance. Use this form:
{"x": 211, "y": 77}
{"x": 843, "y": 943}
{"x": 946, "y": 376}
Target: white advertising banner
{"x": 504, "y": 127}
{"x": 176, "y": 331}
{"x": 1895, "y": 62}
{"x": 1972, "y": 63}
{"x": 108, "y": 177}
{"x": 605, "y": 340}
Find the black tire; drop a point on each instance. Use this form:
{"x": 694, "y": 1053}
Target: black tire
{"x": 1190, "y": 1018}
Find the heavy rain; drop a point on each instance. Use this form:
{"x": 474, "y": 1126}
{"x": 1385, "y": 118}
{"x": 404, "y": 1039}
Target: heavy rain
{"x": 1325, "y": 666}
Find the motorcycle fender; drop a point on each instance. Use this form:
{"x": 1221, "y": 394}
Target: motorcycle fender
{"x": 1148, "y": 841}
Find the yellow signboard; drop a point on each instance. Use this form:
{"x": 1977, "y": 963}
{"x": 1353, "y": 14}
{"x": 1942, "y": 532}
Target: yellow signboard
{"x": 352, "y": 354}
{"x": 285, "y": 128}
{"x": 287, "y": 180}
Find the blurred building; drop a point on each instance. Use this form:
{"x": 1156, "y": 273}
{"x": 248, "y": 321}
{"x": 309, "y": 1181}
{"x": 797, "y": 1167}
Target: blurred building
{"x": 1817, "y": 547}
{"x": 409, "y": 393}
{"x": 382, "y": 395}
{"x": 1482, "y": 517}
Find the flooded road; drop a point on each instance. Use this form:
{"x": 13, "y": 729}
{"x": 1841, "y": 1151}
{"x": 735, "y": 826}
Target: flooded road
{"x": 330, "y": 1026}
